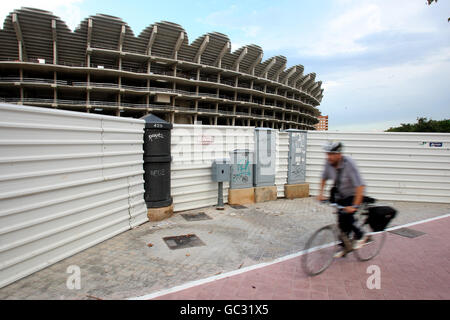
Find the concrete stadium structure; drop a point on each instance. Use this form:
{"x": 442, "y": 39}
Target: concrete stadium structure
{"x": 101, "y": 67}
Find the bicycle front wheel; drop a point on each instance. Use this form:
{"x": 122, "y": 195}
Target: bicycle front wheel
{"x": 372, "y": 247}
{"x": 319, "y": 250}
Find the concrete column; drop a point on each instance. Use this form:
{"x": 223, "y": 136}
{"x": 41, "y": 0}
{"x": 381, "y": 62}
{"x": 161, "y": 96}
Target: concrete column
{"x": 147, "y": 97}
{"x": 55, "y": 92}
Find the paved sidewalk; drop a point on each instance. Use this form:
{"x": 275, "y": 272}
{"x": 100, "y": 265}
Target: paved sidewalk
{"x": 410, "y": 268}
{"x": 138, "y": 262}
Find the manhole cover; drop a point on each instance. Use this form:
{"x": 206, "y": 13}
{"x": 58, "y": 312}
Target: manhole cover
{"x": 406, "y": 232}
{"x": 184, "y": 241}
{"x": 195, "y": 216}
{"x": 238, "y": 206}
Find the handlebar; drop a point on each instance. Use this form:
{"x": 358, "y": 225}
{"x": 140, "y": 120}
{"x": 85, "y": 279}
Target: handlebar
{"x": 339, "y": 207}
{"x": 331, "y": 204}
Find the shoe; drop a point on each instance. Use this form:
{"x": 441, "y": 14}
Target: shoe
{"x": 360, "y": 243}
{"x": 340, "y": 254}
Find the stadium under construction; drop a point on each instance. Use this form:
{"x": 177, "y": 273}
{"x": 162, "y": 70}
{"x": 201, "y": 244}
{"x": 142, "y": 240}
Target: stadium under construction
{"x": 101, "y": 67}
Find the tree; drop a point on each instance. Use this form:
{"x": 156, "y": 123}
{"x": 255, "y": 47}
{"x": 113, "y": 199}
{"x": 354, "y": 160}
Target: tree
{"x": 423, "y": 125}
{"x": 431, "y": 1}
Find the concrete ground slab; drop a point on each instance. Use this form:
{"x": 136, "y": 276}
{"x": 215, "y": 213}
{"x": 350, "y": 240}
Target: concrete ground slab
{"x": 138, "y": 262}
{"x": 407, "y": 268}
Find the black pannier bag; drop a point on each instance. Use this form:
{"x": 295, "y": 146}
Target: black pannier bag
{"x": 379, "y": 217}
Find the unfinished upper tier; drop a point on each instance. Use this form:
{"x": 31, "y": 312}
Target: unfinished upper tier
{"x": 102, "y": 67}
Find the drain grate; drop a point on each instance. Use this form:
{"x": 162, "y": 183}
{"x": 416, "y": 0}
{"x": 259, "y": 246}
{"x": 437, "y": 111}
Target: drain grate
{"x": 238, "y": 206}
{"x": 407, "y": 232}
{"x": 184, "y": 241}
{"x": 195, "y": 216}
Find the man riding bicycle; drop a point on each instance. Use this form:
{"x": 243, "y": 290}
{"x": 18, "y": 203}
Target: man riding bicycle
{"x": 348, "y": 191}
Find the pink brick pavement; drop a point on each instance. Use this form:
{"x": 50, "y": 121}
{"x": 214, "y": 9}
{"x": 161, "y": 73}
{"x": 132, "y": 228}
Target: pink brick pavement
{"x": 411, "y": 268}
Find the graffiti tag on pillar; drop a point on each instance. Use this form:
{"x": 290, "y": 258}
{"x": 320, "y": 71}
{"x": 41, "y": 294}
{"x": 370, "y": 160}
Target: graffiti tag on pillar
{"x": 155, "y": 136}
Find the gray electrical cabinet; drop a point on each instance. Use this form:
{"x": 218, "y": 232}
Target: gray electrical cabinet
{"x": 265, "y": 157}
{"x": 220, "y": 170}
{"x": 241, "y": 169}
{"x": 297, "y": 156}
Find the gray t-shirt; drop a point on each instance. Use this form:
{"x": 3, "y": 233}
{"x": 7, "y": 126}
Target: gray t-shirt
{"x": 349, "y": 179}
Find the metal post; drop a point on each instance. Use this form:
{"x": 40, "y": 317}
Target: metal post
{"x": 220, "y": 205}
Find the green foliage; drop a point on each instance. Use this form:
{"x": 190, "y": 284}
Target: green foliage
{"x": 423, "y": 125}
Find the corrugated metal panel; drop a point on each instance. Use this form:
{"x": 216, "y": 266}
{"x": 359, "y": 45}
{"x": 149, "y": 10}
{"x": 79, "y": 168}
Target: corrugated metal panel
{"x": 282, "y": 162}
{"x": 395, "y": 166}
{"x": 68, "y": 181}
{"x": 194, "y": 147}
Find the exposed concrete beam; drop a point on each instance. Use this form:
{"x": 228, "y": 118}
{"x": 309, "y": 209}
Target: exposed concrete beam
{"x": 55, "y": 39}
{"x": 267, "y": 68}
{"x": 218, "y": 61}
{"x": 89, "y": 34}
{"x": 253, "y": 66}
{"x": 308, "y": 77}
{"x": 308, "y": 84}
{"x": 201, "y": 49}
{"x": 178, "y": 45}
{"x": 151, "y": 40}
{"x": 315, "y": 86}
{"x": 239, "y": 59}
{"x": 20, "y": 41}
{"x": 297, "y": 78}
{"x": 290, "y": 74}
{"x": 122, "y": 37}
{"x": 277, "y": 74}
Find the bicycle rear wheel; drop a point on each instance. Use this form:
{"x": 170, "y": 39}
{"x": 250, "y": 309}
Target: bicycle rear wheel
{"x": 373, "y": 246}
{"x": 320, "y": 250}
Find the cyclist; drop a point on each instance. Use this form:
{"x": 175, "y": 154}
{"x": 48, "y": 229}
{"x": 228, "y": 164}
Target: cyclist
{"x": 348, "y": 191}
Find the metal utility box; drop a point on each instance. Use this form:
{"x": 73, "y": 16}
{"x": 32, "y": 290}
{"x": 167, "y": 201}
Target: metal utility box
{"x": 297, "y": 156}
{"x": 265, "y": 157}
{"x": 220, "y": 170}
{"x": 241, "y": 169}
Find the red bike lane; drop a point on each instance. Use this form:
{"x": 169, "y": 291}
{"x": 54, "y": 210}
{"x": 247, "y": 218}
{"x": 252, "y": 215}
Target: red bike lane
{"x": 408, "y": 268}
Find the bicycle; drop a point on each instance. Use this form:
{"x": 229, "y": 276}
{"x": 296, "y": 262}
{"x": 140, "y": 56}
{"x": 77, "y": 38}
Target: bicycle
{"x": 325, "y": 242}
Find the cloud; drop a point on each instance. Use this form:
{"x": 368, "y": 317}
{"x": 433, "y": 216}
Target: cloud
{"x": 68, "y": 10}
{"x": 251, "y": 31}
{"x": 358, "y": 99}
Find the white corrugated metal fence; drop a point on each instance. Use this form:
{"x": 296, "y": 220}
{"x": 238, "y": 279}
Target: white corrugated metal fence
{"x": 395, "y": 166}
{"x": 194, "y": 147}
{"x": 68, "y": 181}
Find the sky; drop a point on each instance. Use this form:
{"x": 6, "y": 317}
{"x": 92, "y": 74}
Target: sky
{"x": 381, "y": 62}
